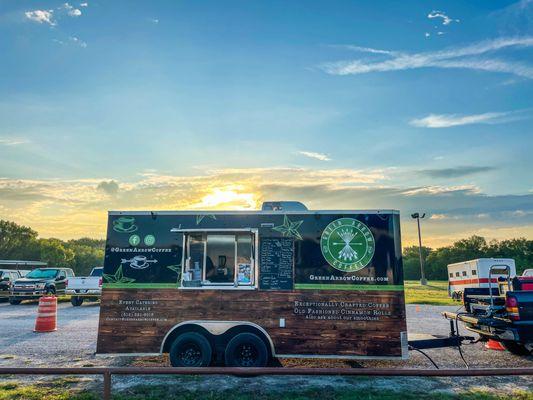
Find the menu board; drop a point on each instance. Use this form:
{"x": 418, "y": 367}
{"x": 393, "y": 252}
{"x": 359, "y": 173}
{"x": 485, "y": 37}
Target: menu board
{"x": 276, "y": 260}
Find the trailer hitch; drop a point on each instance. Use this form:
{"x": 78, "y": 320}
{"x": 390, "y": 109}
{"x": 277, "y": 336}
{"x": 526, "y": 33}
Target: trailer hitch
{"x": 439, "y": 341}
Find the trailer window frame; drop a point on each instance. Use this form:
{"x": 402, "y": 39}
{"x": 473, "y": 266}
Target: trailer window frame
{"x": 235, "y": 232}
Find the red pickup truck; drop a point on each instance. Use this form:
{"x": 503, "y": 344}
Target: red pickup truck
{"x": 503, "y": 313}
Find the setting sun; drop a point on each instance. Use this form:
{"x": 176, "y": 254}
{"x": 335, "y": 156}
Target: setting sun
{"x": 228, "y": 199}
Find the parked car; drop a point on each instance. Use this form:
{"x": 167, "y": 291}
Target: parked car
{"x": 528, "y": 272}
{"x": 85, "y": 287}
{"x": 7, "y": 277}
{"x": 40, "y": 282}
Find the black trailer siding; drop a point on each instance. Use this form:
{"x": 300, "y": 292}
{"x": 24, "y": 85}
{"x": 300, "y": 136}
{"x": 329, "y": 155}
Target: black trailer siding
{"x": 150, "y": 235}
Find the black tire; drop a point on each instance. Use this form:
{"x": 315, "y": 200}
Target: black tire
{"x": 76, "y": 301}
{"x": 190, "y": 349}
{"x": 51, "y": 291}
{"x": 246, "y": 350}
{"x": 516, "y": 348}
{"x": 14, "y": 302}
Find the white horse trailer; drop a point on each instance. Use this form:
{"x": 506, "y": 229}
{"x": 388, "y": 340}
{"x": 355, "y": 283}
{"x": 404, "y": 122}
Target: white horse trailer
{"x": 475, "y": 274}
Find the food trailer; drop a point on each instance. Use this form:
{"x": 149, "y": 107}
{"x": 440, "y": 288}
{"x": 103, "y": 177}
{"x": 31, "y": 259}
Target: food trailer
{"x": 246, "y": 287}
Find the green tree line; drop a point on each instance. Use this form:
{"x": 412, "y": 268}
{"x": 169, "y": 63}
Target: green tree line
{"x": 22, "y": 243}
{"x": 436, "y": 260}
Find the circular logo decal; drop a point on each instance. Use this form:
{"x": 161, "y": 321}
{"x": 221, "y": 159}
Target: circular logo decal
{"x": 347, "y": 244}
{"x": 149, "y": 240}
{"x": 134, "y": 240}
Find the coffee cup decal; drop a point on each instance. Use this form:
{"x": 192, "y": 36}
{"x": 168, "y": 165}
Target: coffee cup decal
{"x": 124, "y": 224}
{"x": 138, "y": 262}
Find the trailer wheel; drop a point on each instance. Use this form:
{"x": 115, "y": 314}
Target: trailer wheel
{"x": 14, "y": 301}
{"x": 76, "y": 301}
{"x": 190, "y": 349}
{"x": 516, "y": 348}
{"x": 246, "y": 350}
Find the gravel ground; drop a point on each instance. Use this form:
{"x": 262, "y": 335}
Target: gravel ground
{"x": 74, "y": 344}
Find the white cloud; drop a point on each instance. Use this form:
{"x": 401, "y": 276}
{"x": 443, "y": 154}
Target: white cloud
{"x": 520, "y": 213}
{"x": 364, "y": 49}
{"x": 77, "y": 41}
{"x": 440, "y": 14}
{"x": 6, "y": 141}
{"x": 41, "y": 16}
{"x": 439, "y": 190}
{"x": 74, "y": 13}
{"x": 449, "y": 120}
{"x": 154, "y": 20}
{"x": 427, "y": 34}
{"x": 445, "y": 217}
{"x": 47, "y": 16}
{"x": 84, "y": 4}
{"x": 317, "y": 156}
{"x": 477, "y": 56}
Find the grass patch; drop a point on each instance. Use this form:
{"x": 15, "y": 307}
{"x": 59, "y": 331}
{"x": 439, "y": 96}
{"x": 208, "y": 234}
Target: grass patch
{"x": 50, "y": 391}
{"x": 44, "y": 391}
{"x": 434, "y": 293}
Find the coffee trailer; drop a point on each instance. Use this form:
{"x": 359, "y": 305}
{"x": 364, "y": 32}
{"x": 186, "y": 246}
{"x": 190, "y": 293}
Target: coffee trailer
{"x": 247, "y": 287}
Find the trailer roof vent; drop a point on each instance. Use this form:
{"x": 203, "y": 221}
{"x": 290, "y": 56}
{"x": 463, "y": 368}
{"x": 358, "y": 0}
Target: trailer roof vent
{"x": 283, "y": 206}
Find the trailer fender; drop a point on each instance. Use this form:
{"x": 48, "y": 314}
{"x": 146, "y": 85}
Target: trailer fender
{"x": 216, "y": 328}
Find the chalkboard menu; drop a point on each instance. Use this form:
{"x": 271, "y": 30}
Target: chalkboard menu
{"x": 276, "y": 260}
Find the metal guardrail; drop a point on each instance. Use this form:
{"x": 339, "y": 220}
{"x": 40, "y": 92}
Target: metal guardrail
{"x": 107, "y": 373}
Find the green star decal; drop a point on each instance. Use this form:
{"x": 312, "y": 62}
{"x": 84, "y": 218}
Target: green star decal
{"x": 289, "y": 228}
{"x": 199, "y": 218}
{"x": 118, "y": 277}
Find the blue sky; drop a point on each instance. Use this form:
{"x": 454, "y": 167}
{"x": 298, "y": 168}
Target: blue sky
{"x": 164, "y": 105}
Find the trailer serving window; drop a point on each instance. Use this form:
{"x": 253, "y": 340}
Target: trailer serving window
{"x": 219, "y": 259}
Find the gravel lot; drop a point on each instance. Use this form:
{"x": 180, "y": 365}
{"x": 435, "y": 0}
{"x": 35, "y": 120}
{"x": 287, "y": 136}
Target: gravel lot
{"x": 74, "y": 344}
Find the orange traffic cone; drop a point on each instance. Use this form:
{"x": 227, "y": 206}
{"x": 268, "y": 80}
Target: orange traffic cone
{"x": 494, "y": 345}
{"x": 46, "y": 315}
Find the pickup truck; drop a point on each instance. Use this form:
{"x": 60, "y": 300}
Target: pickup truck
{"x": 86, "y": 287}
{"x": 7, "y": 277}
{"x": 503, "y": 313}
{"x": 40, "y": 282}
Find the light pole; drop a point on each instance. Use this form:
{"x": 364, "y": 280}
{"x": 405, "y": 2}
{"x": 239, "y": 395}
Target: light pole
{"x": 418, "y": 217}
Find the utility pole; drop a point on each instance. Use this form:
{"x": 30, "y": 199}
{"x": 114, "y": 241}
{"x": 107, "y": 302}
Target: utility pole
{"x": 418, "y": 217}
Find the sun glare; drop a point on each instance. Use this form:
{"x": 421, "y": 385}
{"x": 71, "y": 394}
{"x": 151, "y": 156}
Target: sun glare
{"x": 228, "y": 199}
